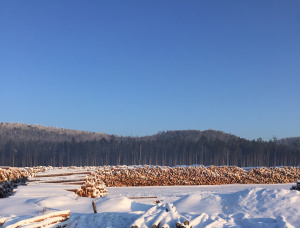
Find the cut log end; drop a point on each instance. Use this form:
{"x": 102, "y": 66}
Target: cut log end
{"x": 186, "y": 222}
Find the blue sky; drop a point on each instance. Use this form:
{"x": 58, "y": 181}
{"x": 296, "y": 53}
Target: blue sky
{"x": 134, "y": 67}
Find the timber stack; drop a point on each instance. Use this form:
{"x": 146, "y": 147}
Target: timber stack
{"x": 93, "y": 187}
{"x": 198, "y": 175}
{"x": 10, "y": 178}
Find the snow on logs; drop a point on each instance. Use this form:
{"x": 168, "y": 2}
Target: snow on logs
{"x": 43, "y": 220}
{"x": 163, "y": 176}
{"x": 162, "y": 215}
{"x": 11, "y": 178}
{"x": 93, "y": 187}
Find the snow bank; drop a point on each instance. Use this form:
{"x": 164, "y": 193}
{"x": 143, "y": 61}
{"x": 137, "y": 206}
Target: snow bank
{"x": 196, "y": 203}
{"x": 119, "y": 204}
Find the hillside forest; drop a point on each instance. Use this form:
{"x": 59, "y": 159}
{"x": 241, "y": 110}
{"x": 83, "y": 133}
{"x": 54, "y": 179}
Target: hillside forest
{"x": 166, "y": 148}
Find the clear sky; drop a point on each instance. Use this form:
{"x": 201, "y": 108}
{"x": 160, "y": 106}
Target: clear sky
{"x": 135, "y": 68}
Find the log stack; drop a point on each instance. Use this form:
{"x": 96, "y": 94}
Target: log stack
{"x": 10, "y": 178}
{"x": 197, "y": 175}
{"x": 93, "y": 187}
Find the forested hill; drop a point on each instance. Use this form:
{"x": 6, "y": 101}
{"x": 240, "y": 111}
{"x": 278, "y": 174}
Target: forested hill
{"x": 191, "y": 135}
{"x": 32, "y": 145}
{"x": 20, "y": 132}
{"x": 292, "y": 141}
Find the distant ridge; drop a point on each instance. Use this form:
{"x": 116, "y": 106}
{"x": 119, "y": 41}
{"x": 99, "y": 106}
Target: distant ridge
{"x": 31, "y": 145}
{"x": 26, "y": 132}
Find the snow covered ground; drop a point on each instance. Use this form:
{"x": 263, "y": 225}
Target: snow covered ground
{"x": 273, "y": 206}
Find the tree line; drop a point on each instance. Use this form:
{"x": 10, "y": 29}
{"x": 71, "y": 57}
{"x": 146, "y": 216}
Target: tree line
{"x": 134, "y": 151}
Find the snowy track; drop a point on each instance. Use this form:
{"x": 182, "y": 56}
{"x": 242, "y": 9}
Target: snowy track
{"x": 273, "y": 206}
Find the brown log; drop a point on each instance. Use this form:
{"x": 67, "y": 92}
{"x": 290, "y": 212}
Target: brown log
{"x": 64, "y": 215}
{"x": 94, "y": 207}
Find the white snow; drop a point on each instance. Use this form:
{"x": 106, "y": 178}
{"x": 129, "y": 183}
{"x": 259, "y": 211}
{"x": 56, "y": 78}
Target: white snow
{"x": 237, "y": 205}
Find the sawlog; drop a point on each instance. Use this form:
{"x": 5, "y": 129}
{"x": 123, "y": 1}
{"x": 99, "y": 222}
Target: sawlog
{"x": 94, "y": 207}
{"x": 42, "y": 220}
{"x": 159, "y": 219}
{"x": 2, "y": 221}
{"x": 63, "y": 174}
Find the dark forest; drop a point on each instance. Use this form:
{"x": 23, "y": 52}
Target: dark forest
{"x": 134, "y": 151}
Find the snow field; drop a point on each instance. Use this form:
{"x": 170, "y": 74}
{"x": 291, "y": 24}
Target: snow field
{"x": 236, "y": 205}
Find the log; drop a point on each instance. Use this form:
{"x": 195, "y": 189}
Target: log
{"x": 142, "y": 197}
{"x": 158, "y": 220}
{"x": 50, "y": 218}
{"x": 72, "y": 190}
{"x": 94, "y": 207}
{"x": 64, "y": 181}
{"x": 2, "y": 221}
{"x": 186, "y": 222}
{"x": 46, "y": 222}
{"x": 63, "y": 174}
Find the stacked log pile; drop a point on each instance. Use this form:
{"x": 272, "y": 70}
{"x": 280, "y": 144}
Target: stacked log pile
{"x": 10, "y": 178}
{"x": 273, "y": 175}
{"x": 164, "y": 176}
{"x": 93, "y": 187}
{"x": 32, "y": 171}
